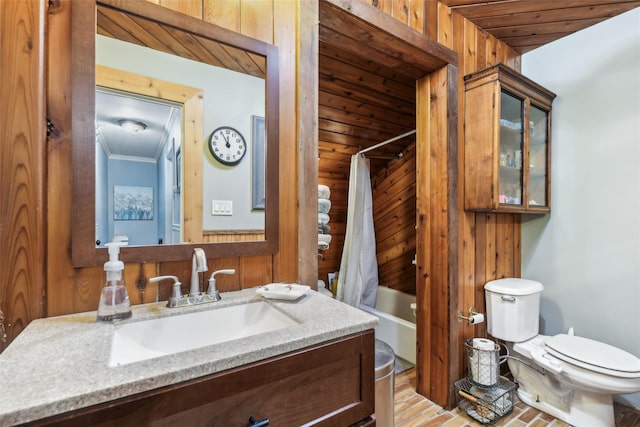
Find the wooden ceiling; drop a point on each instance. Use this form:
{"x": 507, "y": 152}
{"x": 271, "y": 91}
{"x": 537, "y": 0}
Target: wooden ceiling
{"x": 367, "y": 82}
{"x": 367, "y": 76}
{"x": 528, "y": 24}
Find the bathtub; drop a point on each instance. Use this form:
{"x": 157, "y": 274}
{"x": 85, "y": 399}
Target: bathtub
{"x": 397, "y": 323}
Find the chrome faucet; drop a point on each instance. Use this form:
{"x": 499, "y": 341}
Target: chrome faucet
{"x": 198, "y": 265}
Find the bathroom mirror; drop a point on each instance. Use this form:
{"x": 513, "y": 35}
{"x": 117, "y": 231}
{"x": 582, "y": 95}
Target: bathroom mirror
{"x": 148, "y": 26}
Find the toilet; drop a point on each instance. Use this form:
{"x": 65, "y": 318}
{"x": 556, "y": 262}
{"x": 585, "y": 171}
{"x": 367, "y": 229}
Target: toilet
{"x": 569, "y": 377}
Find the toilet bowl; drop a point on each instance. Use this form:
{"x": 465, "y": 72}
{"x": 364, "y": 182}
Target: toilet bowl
{"x": 567, "y": 384}
{"x": 572, "y": 378}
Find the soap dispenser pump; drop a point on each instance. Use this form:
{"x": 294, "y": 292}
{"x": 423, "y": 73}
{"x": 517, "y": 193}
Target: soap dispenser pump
{"x": 114, "y": 301}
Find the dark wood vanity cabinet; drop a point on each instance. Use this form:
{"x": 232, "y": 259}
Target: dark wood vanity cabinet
{"x": 331, "y": 384}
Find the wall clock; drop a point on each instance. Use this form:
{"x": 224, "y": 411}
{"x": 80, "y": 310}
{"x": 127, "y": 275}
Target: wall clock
{"x": 227, "y": 145}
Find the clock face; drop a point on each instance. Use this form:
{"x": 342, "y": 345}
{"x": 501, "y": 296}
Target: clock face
{"x": 227, "y": 145}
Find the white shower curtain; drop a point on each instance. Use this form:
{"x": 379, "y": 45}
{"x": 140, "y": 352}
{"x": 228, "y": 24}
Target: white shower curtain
{"x": 358, "y": 277}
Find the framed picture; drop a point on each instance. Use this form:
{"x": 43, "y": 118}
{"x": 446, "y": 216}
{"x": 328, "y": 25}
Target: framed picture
{"x": 132, "y": 203}
{"x": 258, "y": 165}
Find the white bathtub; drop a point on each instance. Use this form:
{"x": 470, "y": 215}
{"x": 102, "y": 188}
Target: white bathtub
{"x": 397, "y": 323}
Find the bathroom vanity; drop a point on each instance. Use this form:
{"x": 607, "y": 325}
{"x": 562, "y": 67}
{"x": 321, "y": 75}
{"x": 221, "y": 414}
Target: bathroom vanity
{"x": 319, "y": 371}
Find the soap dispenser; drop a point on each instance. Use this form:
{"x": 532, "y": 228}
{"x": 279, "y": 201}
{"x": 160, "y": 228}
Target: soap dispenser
{"x": 114, "y": 301}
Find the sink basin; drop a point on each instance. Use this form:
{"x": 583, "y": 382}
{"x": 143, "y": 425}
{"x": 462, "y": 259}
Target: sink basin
{"x": 147, "y": 339}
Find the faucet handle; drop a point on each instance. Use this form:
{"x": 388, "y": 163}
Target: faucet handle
{"x": 212, "y": 291}
{"x": 177, "y": 287}
{"x": 227, "y": 271}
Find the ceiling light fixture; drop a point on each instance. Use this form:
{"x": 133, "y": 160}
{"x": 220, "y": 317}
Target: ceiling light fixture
{"x": 133, "y": 126}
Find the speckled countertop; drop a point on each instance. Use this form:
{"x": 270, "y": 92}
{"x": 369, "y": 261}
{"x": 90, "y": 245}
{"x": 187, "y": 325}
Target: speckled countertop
{"x": 60, "y": 364}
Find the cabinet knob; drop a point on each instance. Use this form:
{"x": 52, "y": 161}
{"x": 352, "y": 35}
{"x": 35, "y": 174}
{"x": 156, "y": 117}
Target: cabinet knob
{"x": 254, "y": 423}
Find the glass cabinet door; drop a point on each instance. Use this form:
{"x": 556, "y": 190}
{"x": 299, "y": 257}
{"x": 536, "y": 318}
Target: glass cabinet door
{"x": 511, "y": 143}
{"x": 538, "y": 157}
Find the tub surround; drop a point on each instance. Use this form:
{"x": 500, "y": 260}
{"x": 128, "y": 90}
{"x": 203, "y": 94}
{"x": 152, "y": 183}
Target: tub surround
{"x": 397, "y": 323}
{"x": 60, "y": 364}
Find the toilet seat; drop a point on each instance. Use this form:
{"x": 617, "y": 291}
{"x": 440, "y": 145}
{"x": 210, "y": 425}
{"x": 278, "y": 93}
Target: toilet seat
{"x": 593, "y": 355}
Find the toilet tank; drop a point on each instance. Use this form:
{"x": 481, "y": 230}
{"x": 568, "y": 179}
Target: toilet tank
{"x": 513, "y": 307}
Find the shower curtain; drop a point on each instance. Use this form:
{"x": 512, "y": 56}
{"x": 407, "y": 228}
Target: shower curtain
{"x": 358, "y": 277}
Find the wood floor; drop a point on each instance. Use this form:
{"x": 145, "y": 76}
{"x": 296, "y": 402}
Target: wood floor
{"x": 414, "y": 410}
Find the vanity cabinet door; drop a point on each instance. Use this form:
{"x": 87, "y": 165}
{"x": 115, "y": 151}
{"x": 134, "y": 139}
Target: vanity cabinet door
{"x": 507, "y": 143}
{"x": 331, "y": 384}
{"x": 317, "y": 387}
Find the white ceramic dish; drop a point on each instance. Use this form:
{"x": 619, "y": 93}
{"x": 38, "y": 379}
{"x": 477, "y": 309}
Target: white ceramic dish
{"x": 284, "y": 291}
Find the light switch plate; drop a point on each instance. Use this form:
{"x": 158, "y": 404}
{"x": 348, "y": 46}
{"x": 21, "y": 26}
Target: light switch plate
{"x": 222, "y": 207}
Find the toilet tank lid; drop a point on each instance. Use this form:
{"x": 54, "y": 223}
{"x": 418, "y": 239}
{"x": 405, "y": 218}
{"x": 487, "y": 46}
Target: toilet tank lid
{"x": 514, "y": 286}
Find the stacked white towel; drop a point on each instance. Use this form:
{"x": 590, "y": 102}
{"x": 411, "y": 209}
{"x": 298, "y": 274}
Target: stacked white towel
{"x": 324, "y": 206}
{"x": 324, "y": 192}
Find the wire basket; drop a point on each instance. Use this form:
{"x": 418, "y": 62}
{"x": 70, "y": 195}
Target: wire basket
{"x": 485, "y": 405}
{"x": 484, "y": 361}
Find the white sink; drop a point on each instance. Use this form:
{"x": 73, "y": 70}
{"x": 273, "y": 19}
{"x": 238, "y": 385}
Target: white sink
{"x": 137, "y": 341}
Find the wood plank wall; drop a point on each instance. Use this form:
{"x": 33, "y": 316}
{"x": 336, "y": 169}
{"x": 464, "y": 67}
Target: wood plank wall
{"x": 477, "y": 50}
{"x": 22, "y": 144}
{"x": 394, "y": 216}
{"x": 35, "y": 220}
{"x": 489, "y": 244}
{"x": 75, "y": 290}
{"x": 436, "y": 225}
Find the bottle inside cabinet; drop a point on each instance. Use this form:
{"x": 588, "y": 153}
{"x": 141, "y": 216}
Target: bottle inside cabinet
{"x": 507, "y": 142}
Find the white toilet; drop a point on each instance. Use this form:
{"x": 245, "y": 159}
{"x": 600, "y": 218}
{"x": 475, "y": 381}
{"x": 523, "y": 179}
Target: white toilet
{"x": 570, "y": 377}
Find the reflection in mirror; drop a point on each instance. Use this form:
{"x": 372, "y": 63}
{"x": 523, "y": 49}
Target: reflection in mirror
{"x": 229, "y": 98}
{"x": 230, "y": 80}
{"x": 137, "y": 146}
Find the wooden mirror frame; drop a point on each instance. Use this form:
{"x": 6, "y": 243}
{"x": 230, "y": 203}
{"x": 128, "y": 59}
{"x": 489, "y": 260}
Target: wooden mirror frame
{"x": 83, "y": 22}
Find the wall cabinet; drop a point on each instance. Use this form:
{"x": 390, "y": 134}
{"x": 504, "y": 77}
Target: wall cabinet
{"x": 507, "y": 148}
{"x": 331, "y": 384}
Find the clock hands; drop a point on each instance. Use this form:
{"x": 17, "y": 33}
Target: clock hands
{"x": 228, "y": 145}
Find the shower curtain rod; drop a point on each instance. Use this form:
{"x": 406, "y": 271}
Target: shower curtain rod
{"x": 373, "y": 147}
